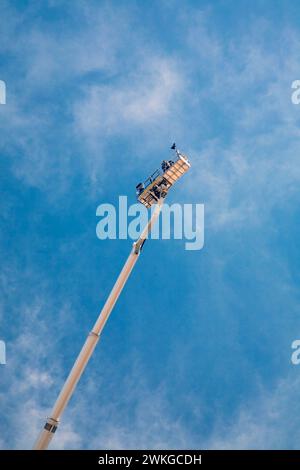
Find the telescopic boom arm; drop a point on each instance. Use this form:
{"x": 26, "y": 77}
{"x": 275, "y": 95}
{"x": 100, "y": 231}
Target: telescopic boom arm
{"x": 87, "y": 350}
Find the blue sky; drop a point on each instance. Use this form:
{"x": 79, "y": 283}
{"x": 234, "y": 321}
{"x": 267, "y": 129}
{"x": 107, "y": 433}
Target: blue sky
{"x": 197, "y": 351}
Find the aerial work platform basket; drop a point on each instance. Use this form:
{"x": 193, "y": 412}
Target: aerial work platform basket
{"x": 159, "y": 183}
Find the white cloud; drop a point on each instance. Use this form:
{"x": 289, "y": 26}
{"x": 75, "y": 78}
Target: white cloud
{"x": 243, "y": 175}
{"x": 33, "y": 368}
{"x": 269, "y": 422}
{"x": 147, "y": 94}
{"x": 104, "y": 71}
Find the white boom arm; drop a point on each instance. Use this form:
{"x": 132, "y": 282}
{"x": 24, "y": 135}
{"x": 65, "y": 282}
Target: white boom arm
{"x": 92, "y": 339}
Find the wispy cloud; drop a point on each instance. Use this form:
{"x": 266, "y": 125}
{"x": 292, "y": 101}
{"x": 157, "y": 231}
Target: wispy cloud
{"x": 148, "y": 94}
{"x": 269, "y": 422}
